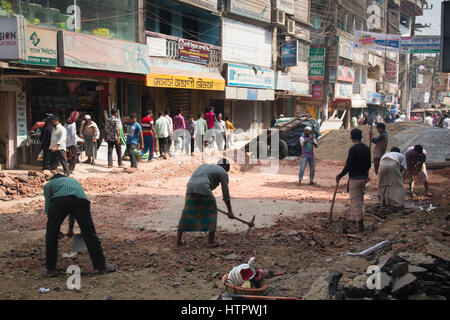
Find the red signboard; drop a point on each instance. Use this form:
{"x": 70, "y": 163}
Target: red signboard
{"x": 194, "y": 52}
{"x": 317, "y": 91}
{"x": 345, "y": 74}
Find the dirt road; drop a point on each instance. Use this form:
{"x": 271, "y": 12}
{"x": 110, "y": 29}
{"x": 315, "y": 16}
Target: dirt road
{"x": 136, "y": 216}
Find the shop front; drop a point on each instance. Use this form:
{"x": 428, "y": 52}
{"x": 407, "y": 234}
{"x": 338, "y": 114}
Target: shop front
{"x": 250, "y": 95}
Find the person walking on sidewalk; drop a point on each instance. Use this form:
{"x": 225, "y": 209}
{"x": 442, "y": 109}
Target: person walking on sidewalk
{"x": 169, "y": 140}
{"x": 65, "y": 196}
{"x": 58, "y": 147}
{"x": 45, "y": 138}
{"x": 179, "y": 124}
{"x": 73, "y": 152}
{"x": 308, "y": 143}
{"x": 381, "y": 143}
{"x": 134, "y": 136}
{"x": 220, "y": 128}
{"x": 202, "y": 126}
{"x": 162, "y": 130}
{"x": 90, "y": 133}
{"x": 112, "y": 137}
{"x": 191, "y": 127}
{"x": 148, "y": 132}
{"x": 229, "y": 137}
{"x": 210, "y": 121}
{"x": 357, "y": 166}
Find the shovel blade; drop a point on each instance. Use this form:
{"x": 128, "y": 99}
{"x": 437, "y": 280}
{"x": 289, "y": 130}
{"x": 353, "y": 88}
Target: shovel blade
{"x": 78, "y": 244}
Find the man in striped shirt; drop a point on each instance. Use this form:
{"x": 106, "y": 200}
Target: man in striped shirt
{"x": 64, "y": 196}
{"x": 201, "y": 130}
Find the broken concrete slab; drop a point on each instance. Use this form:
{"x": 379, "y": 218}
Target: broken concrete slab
{"x": 324, "y": 287}
{"x": 417, "y": 259}
{"x": 404, "y": 286}
{"x": 437, "y": 249}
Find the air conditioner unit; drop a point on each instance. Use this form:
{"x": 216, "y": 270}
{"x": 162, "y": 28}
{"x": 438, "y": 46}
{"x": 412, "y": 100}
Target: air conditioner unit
{"x": 278, "y": 17}
{"x": 290, "y": 26}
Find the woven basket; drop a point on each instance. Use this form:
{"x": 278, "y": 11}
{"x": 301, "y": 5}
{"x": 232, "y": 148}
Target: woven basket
{"x": 239, "y": 290}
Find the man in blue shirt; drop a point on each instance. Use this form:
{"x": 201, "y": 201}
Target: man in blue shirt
{"x": 134, "y": 136}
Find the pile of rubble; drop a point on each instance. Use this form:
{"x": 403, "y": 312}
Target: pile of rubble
{"x": 403, "y": 276}
{"x": 14, "y": 186}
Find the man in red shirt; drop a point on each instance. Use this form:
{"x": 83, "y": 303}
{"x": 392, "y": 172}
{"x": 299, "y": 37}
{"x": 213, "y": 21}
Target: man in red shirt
{"x": 210, "y": 120}
{"x": 149, "y": 135}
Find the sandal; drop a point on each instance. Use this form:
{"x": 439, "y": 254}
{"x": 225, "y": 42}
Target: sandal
{"x": 51, "y": 273}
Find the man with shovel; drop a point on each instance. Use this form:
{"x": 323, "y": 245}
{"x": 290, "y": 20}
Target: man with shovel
{"x": 63, "y": 196}
{"x": 200, "y": 208}
{"x": 357, "y": 166}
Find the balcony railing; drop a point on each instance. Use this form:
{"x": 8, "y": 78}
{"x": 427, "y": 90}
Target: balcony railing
{"x": 215, "y": 58}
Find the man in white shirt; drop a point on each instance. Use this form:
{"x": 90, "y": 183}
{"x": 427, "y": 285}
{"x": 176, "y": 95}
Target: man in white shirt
{"x": 390, "y": 179}
{"x": 58, "y": 147}
{"x": 163, "y": 130}
{"x": 220, "y": 130}
{"x": 428, "y": 120}
{"x": 446, "y": 122}
{"x": 170, "y": 120}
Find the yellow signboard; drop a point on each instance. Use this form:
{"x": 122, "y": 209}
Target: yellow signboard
{"x": 184, "y": 82}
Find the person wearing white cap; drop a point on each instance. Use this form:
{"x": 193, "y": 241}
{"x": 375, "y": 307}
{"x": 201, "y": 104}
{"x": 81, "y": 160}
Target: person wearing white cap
{"x": 307, "y": 142}
{"x": 90, "y": 133}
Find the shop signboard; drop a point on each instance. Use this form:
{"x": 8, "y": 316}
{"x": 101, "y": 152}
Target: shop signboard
{"x": 316, "y": 63}
{"x": 42, "y": 47}
{"x": 421, "y": 44}
{"x": 184, "y": 82}
{"x": 300, "y": 87}
{"x": 343, "y": 90}
{"x": 246, "y": 43}
{"x": 391, "y": 70}
{"x": 193, "y": 52}
{"x": 346, "y": 74}
{"x": 289, "y": 53}
{"x": 85, "y": 51}
{"x": 283, "y": 81}
{"x": 377, "y": 41}
{"x": 250, "y": 77}
{"x": 12, "y": 38}
{"x": 258, "y": 10}
{"x": 157, "y": 47}
{"x": 316, "y": 91}
{"x": 345, "y": 46}
{"x": 210, "y": 5}
{"x": 287, "y": 6}
{"x": 374, "y": 98}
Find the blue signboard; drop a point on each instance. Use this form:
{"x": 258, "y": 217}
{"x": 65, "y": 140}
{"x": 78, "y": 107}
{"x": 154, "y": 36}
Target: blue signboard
{"x": 289, "y": 54}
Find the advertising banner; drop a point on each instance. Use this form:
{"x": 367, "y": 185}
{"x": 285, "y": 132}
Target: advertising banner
{"x": 343, "y": 90}
{"x": 244, "y": 76}
{"x": 377, "y": 41}
{"x": 421, "y": 44}
{"x": 391, "y": 70}
{"x": 316, "y": 63}
{"x": 84, "y": 51}
{"x": 289, "y": 52}
{"x": 210, "y": 5}
{"x": 157, "y": 47}
{"x": 346, "y": 74}
{"x": 194, "y": 52}
{"x": 345, "y": 46}
{"x": 12, "y": 38}
{"x": 258, "y": 10}
{"x": 184, "y": 82}
{"x": 317, "y": 91}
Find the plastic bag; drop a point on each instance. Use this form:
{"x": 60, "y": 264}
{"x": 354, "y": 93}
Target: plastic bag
{"x": 242, "y": 273}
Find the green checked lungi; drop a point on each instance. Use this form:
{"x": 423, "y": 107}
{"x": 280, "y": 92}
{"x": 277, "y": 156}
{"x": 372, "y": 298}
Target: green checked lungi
{"x": 199, "y": 213}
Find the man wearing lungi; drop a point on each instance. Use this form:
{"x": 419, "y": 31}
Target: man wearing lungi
{"x": 90, "y": 133}
{"x": 416, "y": 170}
{"x": 390, "y": 180}
{"x": 357, "y": 166}
{"x": 200, "y": 208}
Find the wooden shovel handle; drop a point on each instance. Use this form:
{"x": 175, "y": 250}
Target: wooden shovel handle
{"x": 334, "y": 198}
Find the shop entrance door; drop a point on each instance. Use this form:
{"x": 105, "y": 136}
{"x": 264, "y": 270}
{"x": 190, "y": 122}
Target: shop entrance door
{"x": 7, "y": 130}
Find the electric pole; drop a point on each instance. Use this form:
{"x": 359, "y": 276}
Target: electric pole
{"x": 408, "y": 71}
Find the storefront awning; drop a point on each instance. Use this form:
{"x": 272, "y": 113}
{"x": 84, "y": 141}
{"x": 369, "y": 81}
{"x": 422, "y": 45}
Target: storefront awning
{"x": 183, "y": 79}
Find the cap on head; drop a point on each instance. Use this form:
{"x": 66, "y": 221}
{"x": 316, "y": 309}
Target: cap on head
{"x": 308, "y": 128}
{"x": 356, "y": 134}
{"x": 87, "y": 117}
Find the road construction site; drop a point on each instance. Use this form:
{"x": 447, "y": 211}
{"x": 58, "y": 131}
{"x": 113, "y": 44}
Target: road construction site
{"x": 136, "y": 215}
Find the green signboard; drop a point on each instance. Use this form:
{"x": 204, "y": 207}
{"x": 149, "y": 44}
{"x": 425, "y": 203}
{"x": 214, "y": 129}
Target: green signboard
{"x": 316, "y": 63}
{"x": 41, "y": 46}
